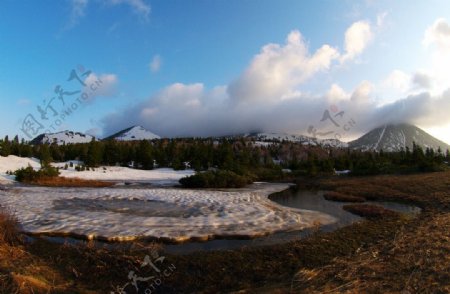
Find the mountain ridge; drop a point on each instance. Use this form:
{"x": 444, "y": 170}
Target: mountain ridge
{"x": 61, "y": 138}
{"x": 134, "y": 133}
{"x": 395, "y": 137}
{"x": 388, "y": 137}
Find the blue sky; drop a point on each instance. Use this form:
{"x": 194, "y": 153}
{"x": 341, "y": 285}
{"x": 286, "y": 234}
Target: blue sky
{"x": 183, "y": 68}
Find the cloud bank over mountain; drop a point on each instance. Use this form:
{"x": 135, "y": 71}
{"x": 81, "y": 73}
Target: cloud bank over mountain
{"x": 269, "y": 94}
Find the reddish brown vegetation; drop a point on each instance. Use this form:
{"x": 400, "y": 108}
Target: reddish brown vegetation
{"x": 70, "y": 182}
{"x": 430, "y": 191}
{"x": 336, "y": 196}
{"x": 9, "y": 232}
{"x": 369, "y": 210}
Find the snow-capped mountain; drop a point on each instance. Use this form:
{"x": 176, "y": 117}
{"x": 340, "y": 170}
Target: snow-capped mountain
{"x": 395, "y": 137}
{"x": 305, "y": 140}
{"x": 134, "y": 133}
{"x": 61, "y": 138}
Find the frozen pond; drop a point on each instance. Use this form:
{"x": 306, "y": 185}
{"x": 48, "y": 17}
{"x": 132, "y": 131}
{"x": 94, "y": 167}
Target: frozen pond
{"x": 170, "y": 214}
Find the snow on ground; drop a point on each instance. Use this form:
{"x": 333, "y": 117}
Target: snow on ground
{"x": 177, "y": 214}
{"x": 125, "y": 174}
{"x": 164, "y": 176}
{"x": 263, "y": 144}
{"x": 284, "y": 137}
{"x": 342, "y": 172}
{"x": 304, "y": 140}
{"x": 13, "y": 163}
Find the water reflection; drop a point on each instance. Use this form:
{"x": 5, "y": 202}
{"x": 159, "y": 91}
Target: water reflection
{"x": 303, "y": 199}
{"x": 314, "y": 200}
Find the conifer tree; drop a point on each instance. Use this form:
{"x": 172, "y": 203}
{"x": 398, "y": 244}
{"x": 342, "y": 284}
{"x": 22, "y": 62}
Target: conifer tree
{"x": 44, "y": 155}
{"x": 144, "y": 154}
{"x": 94, "y": 154}
{"x": 6, "y": 147}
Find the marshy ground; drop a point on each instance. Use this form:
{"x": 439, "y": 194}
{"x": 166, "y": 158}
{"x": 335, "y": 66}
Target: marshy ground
{"x": 390, "y": 253}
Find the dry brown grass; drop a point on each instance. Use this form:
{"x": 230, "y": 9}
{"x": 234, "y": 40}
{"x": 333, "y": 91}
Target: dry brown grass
{"x": 429, "y": 190}
{"x": 369, "y": 210}
{"x": 45, "y": 267}
{"x": 393, "y": 254}
{"x": 9, "y": 228}
{"x": 70, "y": 182}
{"x": 336, "y": 196}
{"x": 416, "y": 261}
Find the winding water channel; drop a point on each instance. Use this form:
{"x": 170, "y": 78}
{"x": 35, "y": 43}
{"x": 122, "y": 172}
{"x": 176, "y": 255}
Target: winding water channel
{"x": 302, "y": 199}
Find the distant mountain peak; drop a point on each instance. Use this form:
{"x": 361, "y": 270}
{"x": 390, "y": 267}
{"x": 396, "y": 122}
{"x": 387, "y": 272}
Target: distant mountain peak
{"x": 394, "y": 137}
{"x": 134, "y": 133}
{"x": 61, "y": 138}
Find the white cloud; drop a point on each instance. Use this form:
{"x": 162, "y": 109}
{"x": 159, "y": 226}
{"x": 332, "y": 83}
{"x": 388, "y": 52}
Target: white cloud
{"x": 78, "y": 9}
{"x": 381, "y": 19}
{"x": 357, "y": 37}
{"x": 435, "y": 78}
{"x": 398, "y": 81}
{"x": 103, "y": 85}
{"x": 184, "y": 109}
{"x": 191, "y": 110}
{"x": 438, "y": 34}
{"x": 395, "y": 85}
{"x": 437, "y": 40}
{"x": 140, "y": 7}
{"x": 336, "y": 94}
{"x": 155, "y": 64}
{"x": 362, "y": 92}
{"x": 279, "y": 69}
{"x": 268, "y": 96}
{"x": 180, "y": 94}
{"x": 423, "y": 109}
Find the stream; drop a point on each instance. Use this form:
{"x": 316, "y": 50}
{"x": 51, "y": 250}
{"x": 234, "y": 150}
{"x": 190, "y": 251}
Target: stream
{"x": 302, "y": 199}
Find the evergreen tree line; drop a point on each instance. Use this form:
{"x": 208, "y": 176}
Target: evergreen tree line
{"x": 199, "y": 154}
{"x": 372, "y": 163}
{"x": 239, "y": 155}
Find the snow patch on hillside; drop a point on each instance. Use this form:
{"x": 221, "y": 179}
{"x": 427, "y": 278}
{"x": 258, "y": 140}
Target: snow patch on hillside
{"x": 65, "y": 137}
{"x": 13, "y": 163}
{"x": 305, "y": 140}
{"x": 393, "y": 138}
{"x": 137, "y": 133}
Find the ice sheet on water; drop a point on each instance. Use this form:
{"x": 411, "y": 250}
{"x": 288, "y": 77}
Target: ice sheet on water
{"x": 178, "y": 214}
{"x": 132, "y": 207}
